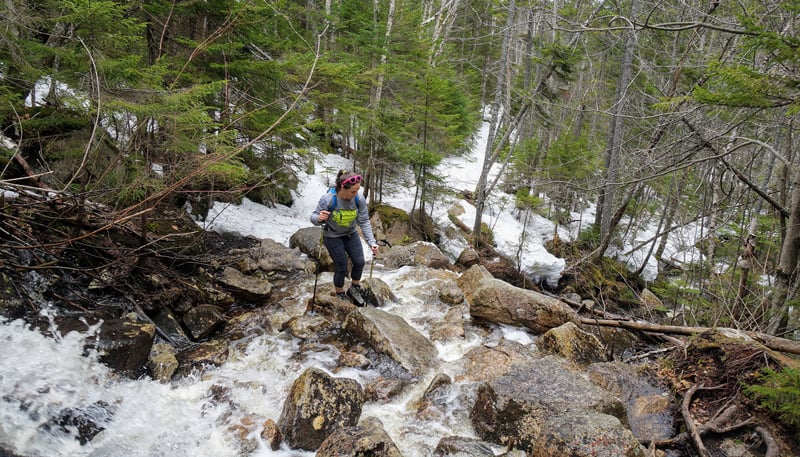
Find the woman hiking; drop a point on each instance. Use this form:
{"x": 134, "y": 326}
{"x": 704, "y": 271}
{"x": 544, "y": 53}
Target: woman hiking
{"x": 340, "y": 211}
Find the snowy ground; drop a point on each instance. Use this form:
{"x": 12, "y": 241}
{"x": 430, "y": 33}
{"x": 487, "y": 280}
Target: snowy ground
{"x": 280, "y": 222}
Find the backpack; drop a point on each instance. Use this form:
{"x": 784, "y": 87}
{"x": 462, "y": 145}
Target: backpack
{"x": 332, "y": 206}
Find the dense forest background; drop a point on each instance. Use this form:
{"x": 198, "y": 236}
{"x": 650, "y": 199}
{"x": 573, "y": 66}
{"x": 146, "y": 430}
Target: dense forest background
{"x": 659, "y": 113}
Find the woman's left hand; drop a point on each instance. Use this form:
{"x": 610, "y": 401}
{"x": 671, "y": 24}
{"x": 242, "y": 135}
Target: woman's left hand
{"x": 375, "y": 250}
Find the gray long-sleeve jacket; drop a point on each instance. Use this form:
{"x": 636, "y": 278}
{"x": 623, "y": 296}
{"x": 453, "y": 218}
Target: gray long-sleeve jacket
{"x": 345, "y": 217}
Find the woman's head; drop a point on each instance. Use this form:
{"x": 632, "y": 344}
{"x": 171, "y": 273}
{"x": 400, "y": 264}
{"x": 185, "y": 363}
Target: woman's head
{"x": 348, "y": 183}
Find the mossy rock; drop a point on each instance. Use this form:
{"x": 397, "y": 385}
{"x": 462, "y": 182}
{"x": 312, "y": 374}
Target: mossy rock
{"x": 393, "y": 225}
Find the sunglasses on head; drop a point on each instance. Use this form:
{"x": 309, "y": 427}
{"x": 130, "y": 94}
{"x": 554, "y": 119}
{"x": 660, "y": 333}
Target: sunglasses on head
{"x": 355, "y": 179}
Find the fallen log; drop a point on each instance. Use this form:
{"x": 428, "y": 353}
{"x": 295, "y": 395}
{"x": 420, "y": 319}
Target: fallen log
{"x": 772, "y": 342}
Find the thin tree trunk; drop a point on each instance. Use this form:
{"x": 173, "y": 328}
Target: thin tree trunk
{"x": 606, "y": 201}
{"x": 489, "y": 156}
{"x": 787, "y": 271}
{"x": 746, "y": 260}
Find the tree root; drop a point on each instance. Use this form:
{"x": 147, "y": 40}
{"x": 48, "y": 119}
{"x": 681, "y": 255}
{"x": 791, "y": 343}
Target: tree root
{"x": 717, "y": 424}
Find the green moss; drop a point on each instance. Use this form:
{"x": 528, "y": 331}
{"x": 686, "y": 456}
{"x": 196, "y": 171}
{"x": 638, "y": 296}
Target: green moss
{"x": 391, "y": 215}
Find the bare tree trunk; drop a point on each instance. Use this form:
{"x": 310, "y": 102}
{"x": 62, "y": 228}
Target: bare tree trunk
{"x": 606, "y": 201}
{"x": 787, "y": 271}
{"x": 371, "y": 169}
{"x": 746, "y": 260}
{"x": 490, "y": 155}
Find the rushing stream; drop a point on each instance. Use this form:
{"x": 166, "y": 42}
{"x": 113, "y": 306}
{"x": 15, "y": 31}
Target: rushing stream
{"x": 41, "y": 377}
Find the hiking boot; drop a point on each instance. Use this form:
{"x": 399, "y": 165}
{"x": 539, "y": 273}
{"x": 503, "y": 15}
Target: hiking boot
{"x": 355, "y": 295}
{"x": 342, "y": 296}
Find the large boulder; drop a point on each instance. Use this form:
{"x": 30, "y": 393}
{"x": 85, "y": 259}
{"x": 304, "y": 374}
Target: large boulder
{"x": 501, "y": 303}
{"x": 515, "y": 407}
{"x": 650, "y": 406}
{"x": 391, "y": 224}
{"x": 366, "y": 439}
{"x": 490, "y": 361}
{"x": 171, "y": 328}
{"x": 572, "y": 343}
{"x": 380, "y": 290}
{"x": 201, "y": 356}
{"x": 277, "y": 260}
{"x": 451, "y": 326}
{"x": 318, "y": 405}
{"x": 124, "y": 345}
{"x": 585, "y": 434}
{"x": 468, "y": 258}
{"x": 203, "y": 321}
{"x": 327, "y": 304}
{"x": 420, "y": 253}
{"x": 309, "y": 241}
{"x": 391, "y": 335}
{"x": 468, "y": 281}
{"x": 459, "y": 446}
{"x": 248, "y": 287}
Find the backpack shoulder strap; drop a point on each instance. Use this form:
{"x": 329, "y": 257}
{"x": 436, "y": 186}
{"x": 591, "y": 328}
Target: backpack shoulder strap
{"x": 332, "y": 206}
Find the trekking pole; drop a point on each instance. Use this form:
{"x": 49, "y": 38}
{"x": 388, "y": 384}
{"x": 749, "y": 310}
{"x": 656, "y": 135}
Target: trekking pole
{"x": 372, "y": 265}
{"x": 319, "y": 267}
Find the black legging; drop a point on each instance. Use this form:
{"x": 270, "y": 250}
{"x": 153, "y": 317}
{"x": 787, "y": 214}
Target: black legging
{"x": 339, "y": 248}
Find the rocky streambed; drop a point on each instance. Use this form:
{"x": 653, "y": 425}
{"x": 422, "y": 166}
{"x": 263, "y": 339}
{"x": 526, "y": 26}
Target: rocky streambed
{"x": 432, "y": 370}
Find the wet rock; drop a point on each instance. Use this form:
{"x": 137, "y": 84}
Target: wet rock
{"x": 488, "y": 362}
{"x": 433, "y": 404}
{"x": 279, "y": 261}
{"x": 305, "y": 327}
{"x": 447, "y": 331}
{"x": 366, "y": 439}
{"x": 586, "y": 434}
{"x": 11, "y": 306}
{"x": 271, "y": 434}
{"x": 326, "y": 304}
{"x": 203, "y": 321}
{"x": 572, "y": 343}
{"x": 247, "y": 287}
{"x": 468, "y": 258}
{"x": 308, "y": 240}
{"x": 451, "y": 294}
{"x": 514, "y": 408}
{"x": 391, "y": 335}
{"x": 501, "y": 303}
{"x": 468, "y": 281}
{"x": 451, "y": 326}
{"x": 124, "y": 345}
{"x": 650, "y": 407}
{"x": 243, "y": 431}
{"x": 383, "y": 389}
{"x": 429, "y": 255}
{"x": 398, "y": 256}
{"x": 210, "y": 353}
{"x": 248, "y": 324}
{"x": 383, "y": 293}
{"x": 318, "y": 405}
{"x": 212, "y": 295}
{"x": 171, "y": 328}
{"x": 420, "y": 253}
{"x": 86, "y": 422}
{"x": 162, "y": 362}
{"x": 354, "y": 360}
{"x": 7, "y": 453}
{"x": 459, "y": 446}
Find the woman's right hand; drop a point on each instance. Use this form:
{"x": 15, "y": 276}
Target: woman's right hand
{"x": 323, "y": 216}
